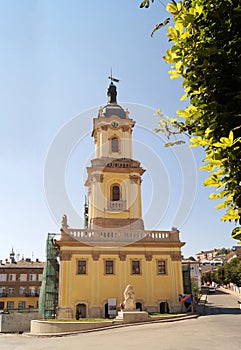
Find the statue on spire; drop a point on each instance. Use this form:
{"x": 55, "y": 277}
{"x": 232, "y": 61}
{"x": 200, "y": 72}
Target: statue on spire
{"x": 112, "y": 92}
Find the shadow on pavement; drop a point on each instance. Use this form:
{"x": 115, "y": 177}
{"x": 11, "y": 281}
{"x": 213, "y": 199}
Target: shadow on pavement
{"x": 216, "y": 310}
{"x": 211, "y": 307}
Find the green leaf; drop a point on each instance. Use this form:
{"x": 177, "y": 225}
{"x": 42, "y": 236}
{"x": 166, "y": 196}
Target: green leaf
{"x": 158, "y": 26}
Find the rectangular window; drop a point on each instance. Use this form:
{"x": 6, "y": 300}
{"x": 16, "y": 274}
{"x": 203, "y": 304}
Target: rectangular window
{"x": 11, "y": 291}
{"x": 21, "y": 305}
{"x": 109, "y": 267}
{"x": 136, "y": 267}
{"x": 31, "y": 291}
{"x": 81, "y": 267}
{"x": 12, "y": 277}
{"x": 3, "y": 277}
{"x": 40, "y": 277}
{"x": 10, "y": 305}
{"x": 114, "y": 144}
{"x": 21, "y": 290}
{"x": 32, "y": 277}
{"x": 23, "y": 277}
{"x": 161, "y": 267}
{"x": 3, "y": 292}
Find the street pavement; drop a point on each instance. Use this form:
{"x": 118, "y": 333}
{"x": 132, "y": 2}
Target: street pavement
{"x": 219, "y": 329}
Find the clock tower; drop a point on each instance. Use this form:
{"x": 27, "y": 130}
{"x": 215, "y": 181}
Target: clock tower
{"x": 114, "y": 178}
{"x": 114, "y": 250}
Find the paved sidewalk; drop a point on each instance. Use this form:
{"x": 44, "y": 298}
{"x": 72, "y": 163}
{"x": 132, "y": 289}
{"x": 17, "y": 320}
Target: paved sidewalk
{"x": 231, "y": 292}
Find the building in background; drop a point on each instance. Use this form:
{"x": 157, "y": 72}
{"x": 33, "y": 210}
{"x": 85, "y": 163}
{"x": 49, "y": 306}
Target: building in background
{"x": 207, "y": 254}
{"x": 195, "y": 272}
{"x": 235, "y": 253}
{"x": 20, "y": 283}
{"x": 114, "y": 250}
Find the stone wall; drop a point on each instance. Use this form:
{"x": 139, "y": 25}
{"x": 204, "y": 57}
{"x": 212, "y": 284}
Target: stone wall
{"x": 17, "y": 322}
{"x": 55, "y": 327}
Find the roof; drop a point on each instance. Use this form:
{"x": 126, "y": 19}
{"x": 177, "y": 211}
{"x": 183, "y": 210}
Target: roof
{"x": 113, "y": 109}
{"x": 23, "y": 264}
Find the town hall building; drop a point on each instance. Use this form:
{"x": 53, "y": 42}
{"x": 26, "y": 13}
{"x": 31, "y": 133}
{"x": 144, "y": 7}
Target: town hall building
{"x": 114, "y": 250}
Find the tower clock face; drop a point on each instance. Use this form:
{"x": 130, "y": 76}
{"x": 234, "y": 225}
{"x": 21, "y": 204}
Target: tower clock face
{"x": 114, "y": 124}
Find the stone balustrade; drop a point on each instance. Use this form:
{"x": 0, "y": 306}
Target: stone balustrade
{"x": 121, "y": 235}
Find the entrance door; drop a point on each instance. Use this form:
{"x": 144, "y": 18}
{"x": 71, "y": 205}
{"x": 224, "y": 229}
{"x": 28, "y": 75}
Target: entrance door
{"x": 80, "y": 311}
{"x": 106, "y": 311}
{"x": 164, "y": 307}
{"x": 139, "y": 306}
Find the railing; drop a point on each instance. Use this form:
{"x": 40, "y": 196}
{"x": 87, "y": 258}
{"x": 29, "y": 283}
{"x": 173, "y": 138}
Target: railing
{"x": 116, "y": 205}
{"x": 31, "y": 294}
{"x": 121, "y": 236}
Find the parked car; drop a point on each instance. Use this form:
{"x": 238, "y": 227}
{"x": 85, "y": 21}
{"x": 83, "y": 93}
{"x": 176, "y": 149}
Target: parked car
{"x": 211, "y": 289}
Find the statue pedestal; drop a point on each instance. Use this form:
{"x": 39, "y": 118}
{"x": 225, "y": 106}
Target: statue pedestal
{"x": 131, "y": 316}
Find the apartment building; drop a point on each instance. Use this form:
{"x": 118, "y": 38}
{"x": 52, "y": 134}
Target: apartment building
{"x": 20, "y": 283}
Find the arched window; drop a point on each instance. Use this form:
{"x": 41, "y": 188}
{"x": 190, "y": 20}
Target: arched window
{"x": 114, "y": 144}
{"x": 115, "y": 192}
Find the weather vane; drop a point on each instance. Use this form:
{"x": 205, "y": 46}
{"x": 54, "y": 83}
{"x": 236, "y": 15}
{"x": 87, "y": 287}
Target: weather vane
{"x": 112, "y": 78}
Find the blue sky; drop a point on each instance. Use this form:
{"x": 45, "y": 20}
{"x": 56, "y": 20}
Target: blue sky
{"x": 54, "y": 65}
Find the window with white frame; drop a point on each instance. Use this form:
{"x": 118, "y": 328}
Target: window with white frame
{"x": 31, "y": 291}
{"x": 11, "y": 291}
{"x": 10, "y": 305}
{"x": 21, "y": 304}
{"x": 12, "y": 277}
{"x": 21, "y": 290}
{"x": 2, "y": 291}
{"x": 3, "y": 277}
{"x": 32, "y": 277}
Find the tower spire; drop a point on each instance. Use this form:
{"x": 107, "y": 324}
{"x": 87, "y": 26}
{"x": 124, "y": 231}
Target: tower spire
{"x": 112, "y": 78}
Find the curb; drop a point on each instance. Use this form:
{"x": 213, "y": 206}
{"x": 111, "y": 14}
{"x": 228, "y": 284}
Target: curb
{"x": 64, "y": 334}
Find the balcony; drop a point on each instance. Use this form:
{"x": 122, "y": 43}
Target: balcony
{"x": 116, "y": 205}
{"x": 120, "y": 237}
{"x": 31, "y": 294}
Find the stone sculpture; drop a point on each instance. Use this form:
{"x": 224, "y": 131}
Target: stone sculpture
{"x": 129, "y": 298}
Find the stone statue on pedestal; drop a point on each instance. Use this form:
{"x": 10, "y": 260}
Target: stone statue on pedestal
{"x": 130, "y": 300}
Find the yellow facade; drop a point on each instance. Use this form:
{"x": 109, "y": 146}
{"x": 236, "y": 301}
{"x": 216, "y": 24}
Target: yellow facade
{"x": 98, "y": 262}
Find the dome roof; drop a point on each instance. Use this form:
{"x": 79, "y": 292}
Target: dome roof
{"x": 112, "y": 109}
